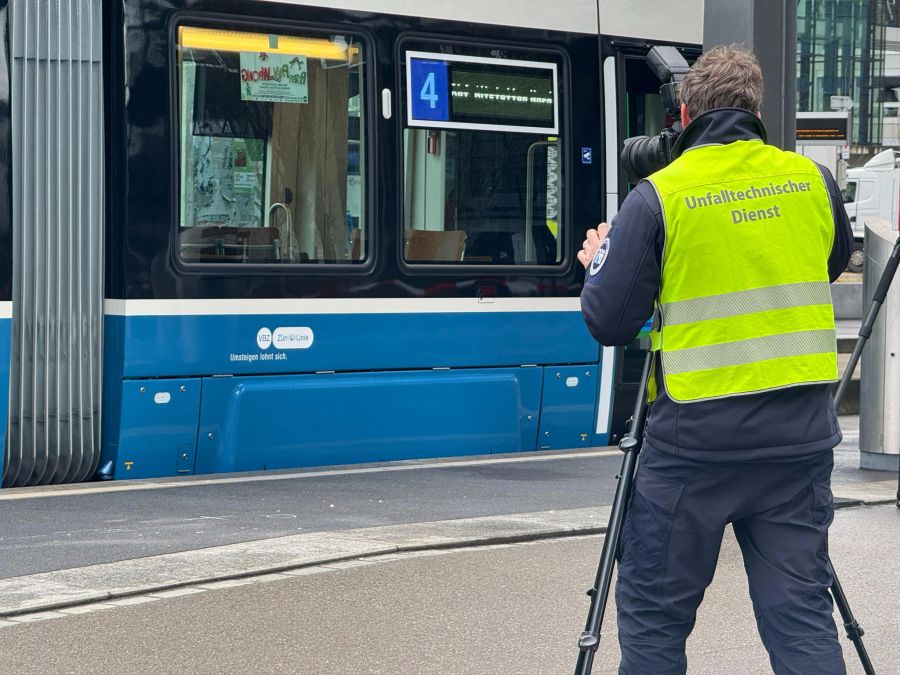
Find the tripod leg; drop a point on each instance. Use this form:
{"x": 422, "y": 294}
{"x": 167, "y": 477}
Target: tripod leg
{"x": 854, "y": 630}
{"x": 590, "y": 638}
{"x": 631, "y": 446}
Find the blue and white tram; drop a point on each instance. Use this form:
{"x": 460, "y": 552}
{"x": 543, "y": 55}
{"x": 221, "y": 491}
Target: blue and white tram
{"x": 332, "y": 234}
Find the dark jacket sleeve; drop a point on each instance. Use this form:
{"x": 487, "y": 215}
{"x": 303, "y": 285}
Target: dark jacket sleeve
{"x": 619, "y": 290}
{"x": 843, "y": 233}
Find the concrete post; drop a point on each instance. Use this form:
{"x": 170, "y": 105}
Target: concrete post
{"x": 879, "y": 399}
{"x": 769, "y": 29}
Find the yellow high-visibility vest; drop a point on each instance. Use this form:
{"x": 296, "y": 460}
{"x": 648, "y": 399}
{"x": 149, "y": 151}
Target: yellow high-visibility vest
{"x": 745, "y": 303}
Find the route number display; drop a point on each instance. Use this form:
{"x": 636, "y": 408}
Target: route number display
{"x": 430, "y": 90}
{"x": 445, "y": 91}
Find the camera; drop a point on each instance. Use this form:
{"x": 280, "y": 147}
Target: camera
{"x": 642, "y": 155}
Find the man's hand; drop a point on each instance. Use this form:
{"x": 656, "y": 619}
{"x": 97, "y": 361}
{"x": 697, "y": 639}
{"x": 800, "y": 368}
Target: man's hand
{"x": 592, "y": 243}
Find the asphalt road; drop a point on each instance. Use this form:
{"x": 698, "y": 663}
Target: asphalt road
{"x": 510, "y": 609}
{"x": 61, "y": 530}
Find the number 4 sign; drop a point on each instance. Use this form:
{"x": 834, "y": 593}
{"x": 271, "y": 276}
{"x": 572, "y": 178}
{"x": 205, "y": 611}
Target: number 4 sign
{"x": 429, "y": 92}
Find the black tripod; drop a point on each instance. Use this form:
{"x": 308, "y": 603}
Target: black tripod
{"x": 630, "y": 445}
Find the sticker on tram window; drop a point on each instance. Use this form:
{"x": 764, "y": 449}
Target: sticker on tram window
{"x": 468, "y": 92}
{"x": 274, "y": 78}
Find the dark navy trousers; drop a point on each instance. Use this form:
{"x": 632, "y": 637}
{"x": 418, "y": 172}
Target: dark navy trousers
{"x": 780, "y": 513}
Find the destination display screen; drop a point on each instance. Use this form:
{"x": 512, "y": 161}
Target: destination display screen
{"x": 464, "y": 92}
{"x": 822, "y": 128}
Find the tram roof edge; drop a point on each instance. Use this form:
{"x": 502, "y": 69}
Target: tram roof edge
{"x": 680, "y": 21}
{"x": 577, "y": 16}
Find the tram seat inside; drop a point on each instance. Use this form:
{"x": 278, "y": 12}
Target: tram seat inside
{"x": 232, "y": 244}
{"x": 505, "y": 248}
{"x": 494, "y": 247}
{"x": 434, "y": 246}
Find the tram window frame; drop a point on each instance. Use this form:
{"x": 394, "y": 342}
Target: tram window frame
{"x": 368, "y": 137}
{"x": 629, "y": 51}
{"x": 433, "y": 43}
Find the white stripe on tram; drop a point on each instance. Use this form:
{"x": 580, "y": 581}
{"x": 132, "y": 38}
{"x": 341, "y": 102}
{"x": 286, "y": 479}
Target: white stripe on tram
{"x": 252, "y": 306}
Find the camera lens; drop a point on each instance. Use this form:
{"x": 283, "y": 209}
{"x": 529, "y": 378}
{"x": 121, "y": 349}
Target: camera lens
{"x": 641, "y": 156}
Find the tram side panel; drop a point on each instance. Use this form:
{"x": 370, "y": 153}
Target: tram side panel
{"x": 365, "y": 417}
{"x": 263, "y": 411}
{"x": 341, "y": 328}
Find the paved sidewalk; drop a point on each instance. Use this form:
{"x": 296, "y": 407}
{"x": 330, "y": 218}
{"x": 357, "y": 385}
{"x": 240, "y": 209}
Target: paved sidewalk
{"x": 508, "y": 608}
{"x": 95, "y": 583}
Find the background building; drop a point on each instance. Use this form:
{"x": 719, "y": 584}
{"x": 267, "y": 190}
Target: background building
{"x": 852, "y": 48}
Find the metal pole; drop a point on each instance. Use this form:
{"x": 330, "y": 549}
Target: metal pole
{"x": 865, "y": 330}
{"x": 878, "y": 298}
{"x": 529, "y": 199}
{"x": 769, "y": 29}
{"x": 854, "y": 630}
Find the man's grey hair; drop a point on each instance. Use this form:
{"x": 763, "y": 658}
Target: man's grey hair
{"x": 723, "y": 77}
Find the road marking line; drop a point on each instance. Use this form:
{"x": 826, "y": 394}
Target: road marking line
{"x": 37, "y": 616}
{"x": 84, "y": 609}
{"x": 175, "y": 593}
{"x": 11, "y": 494}
{"x": 134, "y": 600}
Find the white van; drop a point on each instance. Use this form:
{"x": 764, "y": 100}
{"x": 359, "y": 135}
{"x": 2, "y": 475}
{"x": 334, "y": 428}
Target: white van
{"x": 872, "y": 190}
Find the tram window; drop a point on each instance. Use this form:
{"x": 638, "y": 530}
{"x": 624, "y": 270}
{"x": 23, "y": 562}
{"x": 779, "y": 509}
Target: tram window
{"x": 272, "y": 148}
{"x": 483, "y": 157}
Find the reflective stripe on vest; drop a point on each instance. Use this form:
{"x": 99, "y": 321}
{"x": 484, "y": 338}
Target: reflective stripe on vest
{"x": 745, "y": 304}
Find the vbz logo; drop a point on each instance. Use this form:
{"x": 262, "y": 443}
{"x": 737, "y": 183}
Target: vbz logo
{"x": 264, "y": 338}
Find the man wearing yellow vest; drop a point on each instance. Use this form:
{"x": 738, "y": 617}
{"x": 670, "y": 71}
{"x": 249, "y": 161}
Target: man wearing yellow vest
{"x": 732, "y": 246}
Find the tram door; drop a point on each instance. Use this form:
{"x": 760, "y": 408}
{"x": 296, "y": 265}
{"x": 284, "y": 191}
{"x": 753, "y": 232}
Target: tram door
{"x": 633, "y": 108}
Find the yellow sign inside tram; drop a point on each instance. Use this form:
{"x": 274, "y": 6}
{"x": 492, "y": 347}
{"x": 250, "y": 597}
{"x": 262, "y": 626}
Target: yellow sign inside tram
{"x": 190, "y": 37}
